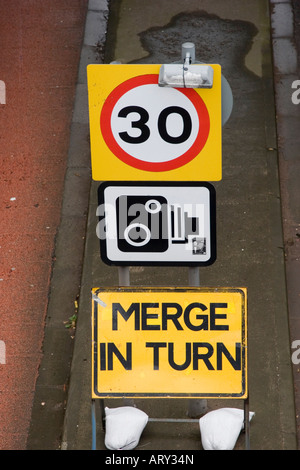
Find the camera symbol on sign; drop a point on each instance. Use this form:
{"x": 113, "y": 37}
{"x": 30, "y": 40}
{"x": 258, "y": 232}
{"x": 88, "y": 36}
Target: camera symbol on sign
{"x": 151, "y": 224}
{"x": 142, "y": 223}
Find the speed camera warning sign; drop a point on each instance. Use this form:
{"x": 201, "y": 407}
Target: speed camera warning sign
{"x": 157, "y": 224}
{"x": 141, "y": 131}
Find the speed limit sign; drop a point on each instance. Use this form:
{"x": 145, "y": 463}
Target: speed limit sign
{"x": 141, "y": 131}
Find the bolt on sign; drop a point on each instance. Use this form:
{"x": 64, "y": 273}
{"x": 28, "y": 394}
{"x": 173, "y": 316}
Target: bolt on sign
{"x": 141, "y": 131}
{"x": 169, "y": 342}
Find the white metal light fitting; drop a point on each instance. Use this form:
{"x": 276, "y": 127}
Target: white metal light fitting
{"x": 187, "y": 74}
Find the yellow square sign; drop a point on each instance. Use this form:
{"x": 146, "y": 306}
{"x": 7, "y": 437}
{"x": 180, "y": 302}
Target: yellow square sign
{"x": 141, "y": 131}
{"x": 169, "y": 342}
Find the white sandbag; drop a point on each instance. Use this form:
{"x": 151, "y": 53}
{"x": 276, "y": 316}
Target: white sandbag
{"x": 124, "y": 426}
{"x": 220, "y": 428}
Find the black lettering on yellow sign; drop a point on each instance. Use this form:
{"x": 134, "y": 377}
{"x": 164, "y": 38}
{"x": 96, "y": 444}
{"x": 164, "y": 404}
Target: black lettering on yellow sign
{"x": 107, "y": 352}
{"x": 144, "y": 316}
{"x": 194, "y": 352}
{"x": 169, "y": 342}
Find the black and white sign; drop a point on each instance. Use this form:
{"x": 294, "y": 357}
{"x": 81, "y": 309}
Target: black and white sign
{"x": 157, "y": 223}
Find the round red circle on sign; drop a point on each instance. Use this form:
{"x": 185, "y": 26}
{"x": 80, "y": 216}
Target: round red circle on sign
{"x": 125, "y": 157}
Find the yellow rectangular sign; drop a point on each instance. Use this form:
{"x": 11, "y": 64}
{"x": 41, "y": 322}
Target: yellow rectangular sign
{"x": 141, "y": 131}
{"x": 169, "y": 342}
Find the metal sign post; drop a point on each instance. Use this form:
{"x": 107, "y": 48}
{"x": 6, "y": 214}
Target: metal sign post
{"x": 196, "y": 407}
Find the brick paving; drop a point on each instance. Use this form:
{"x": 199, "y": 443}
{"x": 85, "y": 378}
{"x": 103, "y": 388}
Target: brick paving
{"x": 40, "y": 43}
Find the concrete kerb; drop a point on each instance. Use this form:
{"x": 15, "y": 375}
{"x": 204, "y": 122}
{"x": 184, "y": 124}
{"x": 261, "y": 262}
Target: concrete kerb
{"x": 91, "y": 52}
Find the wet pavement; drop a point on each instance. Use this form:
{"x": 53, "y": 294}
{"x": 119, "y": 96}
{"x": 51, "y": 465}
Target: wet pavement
{"x": 257, "y": 221}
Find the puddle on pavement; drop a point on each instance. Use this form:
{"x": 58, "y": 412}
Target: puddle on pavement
{"x": 216, "y": 40}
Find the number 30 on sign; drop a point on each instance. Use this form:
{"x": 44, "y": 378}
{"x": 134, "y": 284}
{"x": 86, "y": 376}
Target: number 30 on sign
{"x": 140, "y": 131}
